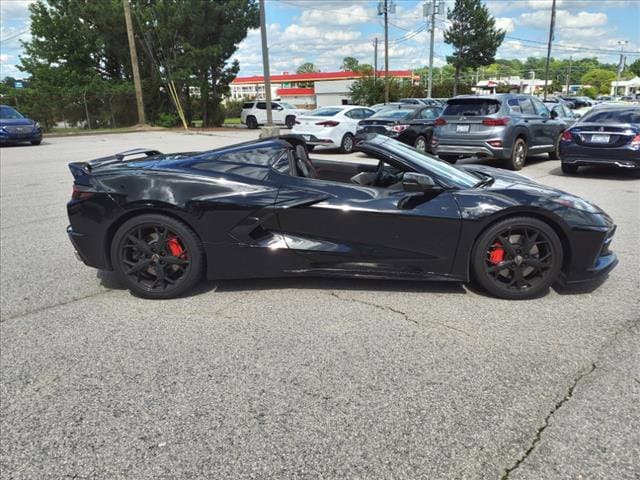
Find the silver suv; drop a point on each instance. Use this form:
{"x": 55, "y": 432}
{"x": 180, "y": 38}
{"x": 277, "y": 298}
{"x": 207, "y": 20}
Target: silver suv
{"x": 504, "y": 126}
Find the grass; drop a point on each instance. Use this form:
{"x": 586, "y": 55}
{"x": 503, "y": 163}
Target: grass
{"x": 232, "y": 121}
{"x": 80, "y": 130}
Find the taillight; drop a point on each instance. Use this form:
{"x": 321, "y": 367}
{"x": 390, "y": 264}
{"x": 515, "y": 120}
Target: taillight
{"x": 328, "y": 123}
{"x": 566, "y": 136}
{"x": 81, "y": 192}
{"x": 398, "y": 128}
{"x": 635, "y": 142}
{"x": 439, "y": 122}
{"x": 496, "y": 122}
{"x": 495, "y": 143}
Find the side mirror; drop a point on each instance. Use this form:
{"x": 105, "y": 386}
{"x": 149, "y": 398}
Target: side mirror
{"x": 418, "y": 182}
{"x": 554, "y": 114}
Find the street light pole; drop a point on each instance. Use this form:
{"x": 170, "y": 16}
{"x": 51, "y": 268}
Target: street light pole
{"x": 386, "y": 52}
{"x": 551, "y": 27}
{"x": 433, "y": 7}
{"x": 265, "y": 63}
{"x": 622, "y": 43}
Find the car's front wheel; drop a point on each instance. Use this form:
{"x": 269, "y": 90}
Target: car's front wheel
{"x": 518, "y": 258}
{"x": 156, "y": 256}
{"x": 290, "y": 121}
{"x": 420, "y": 143}
{"x": 36, "y": 142}
{"x": 346, "y": 146}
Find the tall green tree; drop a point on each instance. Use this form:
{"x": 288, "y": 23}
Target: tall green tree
{"x": 350, "y": 64}
{"x": 473, "y": 35}
{"x": 600, "y": 79}
{"x": 307, "y": 67}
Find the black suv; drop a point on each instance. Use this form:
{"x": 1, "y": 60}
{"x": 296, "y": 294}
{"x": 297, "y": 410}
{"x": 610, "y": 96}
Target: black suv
{"x": 505, "y": 126}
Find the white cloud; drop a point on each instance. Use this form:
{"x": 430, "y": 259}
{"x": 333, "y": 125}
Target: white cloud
{"x": 339, "y": 16}
{"x": 505, "y": 23}
{"x": 564, "y": 19}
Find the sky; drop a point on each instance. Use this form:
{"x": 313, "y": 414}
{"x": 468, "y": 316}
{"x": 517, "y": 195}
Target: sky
{"x": 325, "y": 31}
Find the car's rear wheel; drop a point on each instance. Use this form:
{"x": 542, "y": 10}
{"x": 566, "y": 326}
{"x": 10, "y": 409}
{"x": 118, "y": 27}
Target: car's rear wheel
{"x": 156, "y": 256}
{"x": 290, "y": 121}
{"x": 346, "y": 146}
{"x": 518, "y": 155}
{"x": 555, "y": 153}
{"x": 420, "y": 143}
{"x": 448, "y": 158}
{"x": 517, "y": 258}
{"x": 568, "y": 169}
{"x": 252, "y": 123}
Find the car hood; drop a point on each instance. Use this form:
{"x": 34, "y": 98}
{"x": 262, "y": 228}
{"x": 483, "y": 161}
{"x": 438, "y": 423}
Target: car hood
{"x": 16, "y": 121}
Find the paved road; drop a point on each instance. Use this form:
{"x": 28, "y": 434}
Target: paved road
{"x": 305, "y": 378}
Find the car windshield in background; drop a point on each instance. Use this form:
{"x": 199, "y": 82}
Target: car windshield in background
{"x": 452, "y": 175}
{"x": 392, "y": 113}
{"x": 8, "y": 113}
{"x": 326, "y": 112}
{"x": 623, "y": 115}
{"x": 287, "y": 105}
{"x": 471, "y": 107}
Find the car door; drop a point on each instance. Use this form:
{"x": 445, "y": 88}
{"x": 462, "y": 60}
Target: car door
{"x": 550, "y": 127}
{"x": 351, "y": 119}
{"x": 533, "y": 122}
{"x": 422, "y": 122}
{"x": 355, "y": 229}
{"x": 261, "y": 112}
{"x": 277, "y": 111}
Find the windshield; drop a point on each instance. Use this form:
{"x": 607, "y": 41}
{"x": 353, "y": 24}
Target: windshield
{"x": 287, "y": 105}
{"x": 326, "y": 112}
{"x": 9, "y": 113}
{"x": 390, "y": 113}
{"x": 450, "y": 174}
{"x": 622, "y": 115}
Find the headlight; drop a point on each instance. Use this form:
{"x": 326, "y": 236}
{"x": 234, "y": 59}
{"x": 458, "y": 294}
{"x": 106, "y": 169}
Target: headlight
{"x": 576, "y": 203}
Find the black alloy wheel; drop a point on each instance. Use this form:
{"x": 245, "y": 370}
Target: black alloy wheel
{"x": 517, "y": 258}
{"x": 156, "y": 256}
{"x": 252, "y": 123}
{"x": 290, "y": 121}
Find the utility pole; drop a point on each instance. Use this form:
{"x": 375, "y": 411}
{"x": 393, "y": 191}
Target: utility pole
{"x": 134, "y": 62}
{"x": 551, "y": 27}
{"x": 569, "y": 73}
{"x": 431, "y": 9}
{"x": 375, "y": 58}
{"x": 265, "y": 63}
{"x": 620, "y": 68}
{"x": 386, "y": 51}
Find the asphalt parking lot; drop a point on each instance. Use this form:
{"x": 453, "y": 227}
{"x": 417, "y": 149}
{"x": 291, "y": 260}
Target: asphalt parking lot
{"x": 309, "y": 378}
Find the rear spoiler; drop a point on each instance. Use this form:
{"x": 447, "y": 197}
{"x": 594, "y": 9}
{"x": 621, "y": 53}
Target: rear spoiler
{"x": 83, "y": 168}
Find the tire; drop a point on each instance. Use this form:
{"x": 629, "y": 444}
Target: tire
{"x": 518, "y": 155}
{"x": 347, "y": 143}
{"x": 36, "y": 142}
{"x": 138, "y": 251}
{"x": 252, "y": 123}
{"x": 569, "y": 169}
{"x": 448, "y": 158}
{"x": 420, "y": 143}
{"x": 290, "y": 121}
{"x": 310, "y": 148}
{"x": 531, "y": 263}
{"x": 555, "y": 153}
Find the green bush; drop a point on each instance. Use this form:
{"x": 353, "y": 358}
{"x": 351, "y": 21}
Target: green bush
{"x": 167, "y": 120}
{"x": 218, "y": 115}
{"x": 233, "y": 108}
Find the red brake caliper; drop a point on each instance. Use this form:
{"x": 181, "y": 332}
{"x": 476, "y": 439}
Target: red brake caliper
{"x": 496, "y": 254}
{"x": 176, "y": 248}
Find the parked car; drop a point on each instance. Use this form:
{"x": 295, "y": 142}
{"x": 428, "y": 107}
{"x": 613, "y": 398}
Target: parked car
{"x": 263, "y": 209}
{"x": 413, "y": 126}
{"x": 503, "y": 126}
{"x": 581, "y": 102}
{"x": 379, "y": 106}
{"x": 332, "y": 126}
{"x": 421, "y": 101}
{"x": 254, "y": 113}
{"x": 562, "y": 113}
{"x": 608, "y": 135}
{"x": 16, "y": 128}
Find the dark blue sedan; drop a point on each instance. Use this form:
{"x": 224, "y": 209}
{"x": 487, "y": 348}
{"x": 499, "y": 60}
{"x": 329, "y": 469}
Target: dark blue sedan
{"x": 14, "y": 127}
{"x": 606, "y": 135}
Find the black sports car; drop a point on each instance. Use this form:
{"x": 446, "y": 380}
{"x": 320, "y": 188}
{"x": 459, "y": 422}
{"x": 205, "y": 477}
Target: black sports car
{"x": 606, "y": 135}
{"x": 410, "y": 125}
{"x": 263, "y": 209}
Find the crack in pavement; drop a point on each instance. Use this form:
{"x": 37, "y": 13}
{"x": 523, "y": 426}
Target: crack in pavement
{"x": 399, "y": 312}
{"x": 538, "y": 435}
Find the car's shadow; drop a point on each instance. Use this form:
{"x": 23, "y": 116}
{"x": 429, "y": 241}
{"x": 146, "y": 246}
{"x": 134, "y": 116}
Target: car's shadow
{"x": 109, "y": 280}
{"x": 600, "y": 172}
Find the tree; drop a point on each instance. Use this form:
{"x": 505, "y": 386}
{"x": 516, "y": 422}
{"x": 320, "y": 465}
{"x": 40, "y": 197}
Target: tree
{"x": 473, "y": 35}
{"x": 600, "y": 79}
{"x": 635, "y": 68}
{"x": 350, "y": 64}
{"x": 79, "y": 52}
{"x": 307, "y": 67}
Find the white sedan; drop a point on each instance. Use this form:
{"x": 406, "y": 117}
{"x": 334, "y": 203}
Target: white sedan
{"x": 331, "y": 126}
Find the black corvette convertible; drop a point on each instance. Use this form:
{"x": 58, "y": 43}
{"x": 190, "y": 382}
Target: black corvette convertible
{"x": 264, "y": 209}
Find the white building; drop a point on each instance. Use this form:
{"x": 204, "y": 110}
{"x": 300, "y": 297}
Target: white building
{"x": 529, "y": 86}
{"x": 625, "y": 87}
